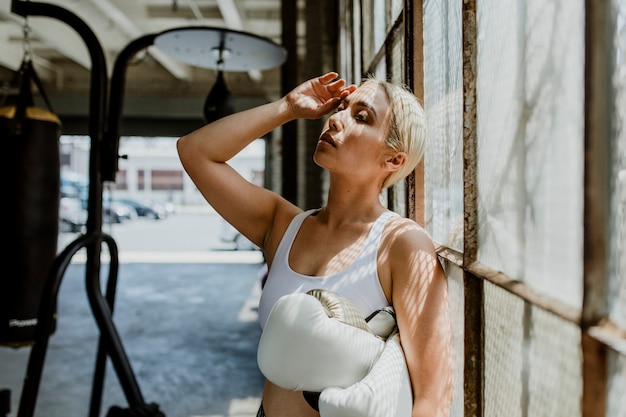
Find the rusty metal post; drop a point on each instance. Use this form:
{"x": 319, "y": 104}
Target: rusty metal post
{"x": 474, "y": 302}
{"x": 597, "y": 168}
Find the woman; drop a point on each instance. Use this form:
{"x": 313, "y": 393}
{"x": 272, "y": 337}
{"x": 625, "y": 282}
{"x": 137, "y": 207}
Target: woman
{"x": 373, "y": 139}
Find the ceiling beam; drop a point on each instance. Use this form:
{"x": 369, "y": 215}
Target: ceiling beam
{"x": 230, "y": 13}
{"x": 45, "y": 31}
{"x": 53, "y": 34}
{"x": 11, "y": 53}
{"x": 233, "y": 20}
{"x": 132, "y": 31}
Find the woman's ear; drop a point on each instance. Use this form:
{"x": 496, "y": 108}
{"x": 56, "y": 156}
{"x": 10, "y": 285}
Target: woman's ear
{"x": 395, "y": 161}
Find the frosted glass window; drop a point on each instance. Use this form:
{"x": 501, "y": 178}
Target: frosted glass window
{"x": 373, "y": 30}
{"x": 617, "y": 269}
{"x": 616, "y": 401}
{"x": 530, "y": 119}
{"x": 456, "y": 304}
{"x": 380, "y": 24}
{"x": 551, "y": 353}
{"x": 396, "y": 8}
{"x": 443, "y": 103}
{"x": 531, "y": 360}
{"x": 504, "y": 342}
{"x": 368, "y": 30}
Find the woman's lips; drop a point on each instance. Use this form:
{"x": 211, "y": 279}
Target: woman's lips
{"x": 326, "y": 137}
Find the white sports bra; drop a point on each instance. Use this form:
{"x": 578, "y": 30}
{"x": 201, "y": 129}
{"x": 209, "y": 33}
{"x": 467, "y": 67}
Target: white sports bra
{"x": 359, "y": 282}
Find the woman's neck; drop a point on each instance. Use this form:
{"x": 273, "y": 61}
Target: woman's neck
{"x": 342, "y": 208}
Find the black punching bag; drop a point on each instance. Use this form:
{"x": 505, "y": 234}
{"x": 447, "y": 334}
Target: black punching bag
{"x": 31, "y": 175}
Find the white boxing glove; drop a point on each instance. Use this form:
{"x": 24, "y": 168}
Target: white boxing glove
{"x": 316, "y": 340}
{"x": 384, "y": 392}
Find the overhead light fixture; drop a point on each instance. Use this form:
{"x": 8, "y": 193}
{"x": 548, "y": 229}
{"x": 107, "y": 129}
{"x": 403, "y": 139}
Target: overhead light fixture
{"x": 200, "y": 46}
{"x": 222, "y": 49}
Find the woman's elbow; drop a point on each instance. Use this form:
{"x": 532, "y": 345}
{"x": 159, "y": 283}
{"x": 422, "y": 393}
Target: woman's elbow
{"x": 431, "y": 408}
{"x": 181, "y": 144}
{"x": 437, "y": 401}
{"x": 183, "y": 148}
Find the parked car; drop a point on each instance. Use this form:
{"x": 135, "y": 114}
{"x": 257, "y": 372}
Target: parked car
{"x": 72, "y": 215}
{"x": 74, "y": 185}
{"x": 149, "y": 210}
{"x": 231, "y": 235}
{"x": 116, "y": 212}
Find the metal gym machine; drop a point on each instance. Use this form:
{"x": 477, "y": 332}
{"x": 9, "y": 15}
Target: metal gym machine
{"x": 105, "y": 111}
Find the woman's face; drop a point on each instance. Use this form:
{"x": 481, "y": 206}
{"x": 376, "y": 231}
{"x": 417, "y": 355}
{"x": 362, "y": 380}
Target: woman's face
{"x": 353, "y": 138}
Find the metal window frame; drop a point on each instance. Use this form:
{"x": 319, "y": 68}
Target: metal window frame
{"x": 598, "y": 333}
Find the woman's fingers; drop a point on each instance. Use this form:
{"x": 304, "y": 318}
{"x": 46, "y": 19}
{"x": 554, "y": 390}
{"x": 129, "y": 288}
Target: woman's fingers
{"x": 329, "y": 76}
{"x": 348, "y": 90}
{"x": 336, "y": 85}
{"x": 319, "y": 96}
{"x": 329, "y": 105}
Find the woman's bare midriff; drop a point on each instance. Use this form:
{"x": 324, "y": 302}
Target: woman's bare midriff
{"x": 278, "y": 402}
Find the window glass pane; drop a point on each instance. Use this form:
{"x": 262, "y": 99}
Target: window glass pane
{"x": 121, "y": 181}
{"x": 456, "y": 304}
{"x": 530, "y": 96}
{"x": 349, "y": 38}
{"x": 443, "y": 102}
{"x": 374, "y": 30}
{"x": 367, "y": 31}
{"x": 396, "y": 59}
{"x": 616, "y": 403}
{"x": 357, "y": 71}
{"x": 167, "y": 180}
{"x": 616, "y": 294}
{"x": 504, "y": 343}
{"x": 380, "y": 71}
{"x": 380, "y": 25}
{"x": 526, "y": 350}
{"x": 617, "y": 275}
{"x": 396, "y": 68}
{"x": 396, "y": 9}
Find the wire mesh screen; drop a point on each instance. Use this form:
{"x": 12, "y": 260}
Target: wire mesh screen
{"x": 396, "y": 62}
{"x": 504, "y": 342}
{"x": 530, "y": 132}
{"x": 616, "y": 404}
{"x": 374, "y": 28}
{"x": 616, "y": 294}
{"x": 617, "y": 279}
{"x": 443, "y": 102}
{"x": 553, "y": 373}
{"x": 396, "y": 59}
{"x": 456, "y": 303}
{"x": 531, "y": 359}
{"x": 530, "y": 114}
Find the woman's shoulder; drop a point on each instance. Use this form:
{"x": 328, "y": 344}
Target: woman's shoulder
{"x": 412, "y": 256}
{"x": 404, "y": 236}
{"x": 408, "y": 255}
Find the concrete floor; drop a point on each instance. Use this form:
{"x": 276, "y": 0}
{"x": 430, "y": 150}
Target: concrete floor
{"x": 190, "y": 331}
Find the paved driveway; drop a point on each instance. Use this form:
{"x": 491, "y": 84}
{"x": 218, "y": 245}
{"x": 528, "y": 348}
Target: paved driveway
{"x": 188, "y": 324}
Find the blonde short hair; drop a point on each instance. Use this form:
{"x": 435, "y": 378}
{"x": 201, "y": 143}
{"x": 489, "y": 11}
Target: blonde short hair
{"x": 407, "y": 130}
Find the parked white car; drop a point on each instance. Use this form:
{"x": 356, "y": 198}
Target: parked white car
{"x": 72, "y": 215}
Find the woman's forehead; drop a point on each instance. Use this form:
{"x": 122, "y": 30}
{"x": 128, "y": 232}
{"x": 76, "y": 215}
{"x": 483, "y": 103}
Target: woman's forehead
{"x": 372, "y": 94}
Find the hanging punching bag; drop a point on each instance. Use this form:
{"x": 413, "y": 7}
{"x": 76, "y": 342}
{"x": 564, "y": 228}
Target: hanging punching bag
{"x": 31, "y": 165}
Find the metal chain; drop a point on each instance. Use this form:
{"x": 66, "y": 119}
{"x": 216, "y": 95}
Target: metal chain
{"x": 26, "y": 44}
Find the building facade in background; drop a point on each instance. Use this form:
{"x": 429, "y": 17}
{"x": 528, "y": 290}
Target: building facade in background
{"x": 149, "y": 168}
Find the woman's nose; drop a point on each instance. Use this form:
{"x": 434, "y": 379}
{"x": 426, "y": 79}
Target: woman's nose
{"x": 333, "y": 121}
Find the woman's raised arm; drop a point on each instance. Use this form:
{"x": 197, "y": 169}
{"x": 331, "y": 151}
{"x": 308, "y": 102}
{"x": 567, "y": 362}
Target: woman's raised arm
{"x": 204, "y": 154}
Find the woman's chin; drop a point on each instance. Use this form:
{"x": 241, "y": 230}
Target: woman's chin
{"x": 318, "y": 158}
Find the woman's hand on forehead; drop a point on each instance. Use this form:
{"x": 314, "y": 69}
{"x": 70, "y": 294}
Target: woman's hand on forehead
{"x": 316, "y": 97}
{"x": 337, "y": 86}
